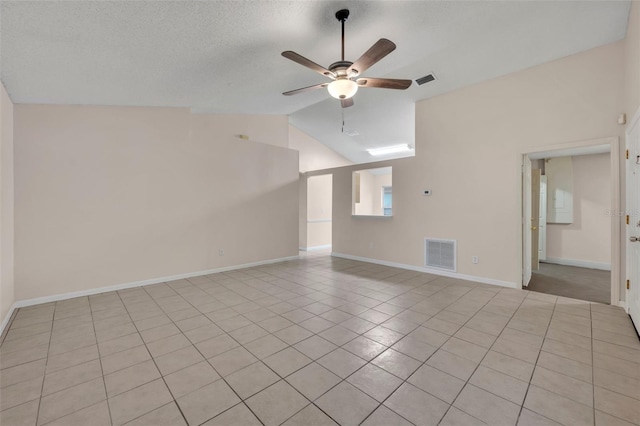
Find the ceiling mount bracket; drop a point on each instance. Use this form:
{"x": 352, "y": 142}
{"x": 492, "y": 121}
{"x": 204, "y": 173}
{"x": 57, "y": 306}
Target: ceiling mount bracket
{"x": 342, "y": 15}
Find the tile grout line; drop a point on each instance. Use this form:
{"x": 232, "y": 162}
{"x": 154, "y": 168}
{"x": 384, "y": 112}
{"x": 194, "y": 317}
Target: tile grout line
{"x": 104, "y": 384}
{"x": 420, "y": 325}
{"x": 242, "y": 400}
{"x": 154, "y": 363}
{"x": 592, "y": 384}
{"x": 535, "y": 365}
{"x": 421, "y": 362}
{"x": 366, "y": 361}
{"x": 479, "y": 363}
{"x": 593, "y": 376}
{"x": 315, "y": 361}
{"x": 205, "y": 359}
{"x": 62, "y": 369}
{"x": 44, "y": 375}
{"x": 593, "y": 367}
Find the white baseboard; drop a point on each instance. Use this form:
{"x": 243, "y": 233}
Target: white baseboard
{"x": 440, "y": 272}
{"x": 316, "y": 248}
{"x": 92, "y": 291}
{"x": 579, "y": 263}
{"x": 623, "y": 305}
{"x": 6, "y": 319}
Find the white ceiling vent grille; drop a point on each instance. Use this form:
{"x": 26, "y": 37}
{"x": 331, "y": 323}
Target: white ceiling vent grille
{"x": 440, "y": 254}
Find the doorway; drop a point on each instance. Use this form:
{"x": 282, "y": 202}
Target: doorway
{"x": 318, "y": 223}
{"x": 571, "y": 234}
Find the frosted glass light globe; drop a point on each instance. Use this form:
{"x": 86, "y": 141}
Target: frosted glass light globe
{"x": 343, "y": 88}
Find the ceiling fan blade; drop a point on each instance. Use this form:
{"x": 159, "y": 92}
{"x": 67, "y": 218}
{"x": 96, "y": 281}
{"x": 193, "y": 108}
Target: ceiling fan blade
{"x": 385, "y": 83}
{"x": 308, "y": 63}
{"x": 346, "y": 103}
{"x": 379, "y": 50}
{"x": 305, "y": 89}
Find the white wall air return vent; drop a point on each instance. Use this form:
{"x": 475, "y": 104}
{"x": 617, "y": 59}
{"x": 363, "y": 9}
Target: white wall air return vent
{"x": 440, "y": 254}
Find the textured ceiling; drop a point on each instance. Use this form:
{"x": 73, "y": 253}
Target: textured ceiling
{"x": 224, "y": 56}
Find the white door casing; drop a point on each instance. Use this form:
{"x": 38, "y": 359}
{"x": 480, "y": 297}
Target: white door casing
{"x": 526, "y": 220}
{"x": 535, "y": 219}
{"x": 542, "y": 243}
{"x": 633, "y": 228}
{"x": 589, "y": 146}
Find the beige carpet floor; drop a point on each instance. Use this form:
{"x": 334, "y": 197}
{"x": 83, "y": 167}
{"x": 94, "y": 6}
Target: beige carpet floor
{"x": 593, "y": 285}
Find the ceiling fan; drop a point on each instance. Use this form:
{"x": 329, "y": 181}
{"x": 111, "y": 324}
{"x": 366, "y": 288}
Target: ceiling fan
{"x": 344, "y": 73}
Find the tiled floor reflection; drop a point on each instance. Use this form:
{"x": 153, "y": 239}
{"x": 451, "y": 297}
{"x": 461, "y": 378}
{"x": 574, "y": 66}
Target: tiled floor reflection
{"x": 320, "y": 341}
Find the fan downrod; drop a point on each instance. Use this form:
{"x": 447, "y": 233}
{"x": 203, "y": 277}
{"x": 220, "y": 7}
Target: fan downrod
{"x": 342, "y": 16}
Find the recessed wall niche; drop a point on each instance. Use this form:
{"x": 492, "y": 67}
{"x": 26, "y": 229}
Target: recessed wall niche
{"x": 372, "y": 192}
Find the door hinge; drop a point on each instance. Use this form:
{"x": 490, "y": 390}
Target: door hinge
{"x": 627, "y": 154}
{"x": 627, "y": 219}
{"x": 627, "y": 284}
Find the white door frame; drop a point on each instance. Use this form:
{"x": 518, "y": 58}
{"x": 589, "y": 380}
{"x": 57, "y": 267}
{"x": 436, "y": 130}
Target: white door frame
{"x": 631, "y": 270}
{"x": 617, "y": 228}
{"x": 527, "y": 247}
{"x": 542, "y": 244}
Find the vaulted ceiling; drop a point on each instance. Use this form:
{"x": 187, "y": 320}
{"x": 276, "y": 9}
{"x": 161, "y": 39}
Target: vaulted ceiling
{"x": 224, "y": 56}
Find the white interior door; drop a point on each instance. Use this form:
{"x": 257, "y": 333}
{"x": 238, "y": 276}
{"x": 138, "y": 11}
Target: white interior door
{"x": 526, "y": 221}
{"x": 542, "y": 237}
{"x": 633, "y": 229}
{"x": 535, "y": 218}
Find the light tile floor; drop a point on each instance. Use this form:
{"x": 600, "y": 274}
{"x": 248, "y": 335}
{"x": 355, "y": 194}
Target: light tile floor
{"x": 320, "y": 341}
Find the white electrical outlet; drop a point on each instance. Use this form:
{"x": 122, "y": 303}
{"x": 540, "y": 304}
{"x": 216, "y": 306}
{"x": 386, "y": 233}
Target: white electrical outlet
{"x": 221, "y": 252}
{"x": 475, "y": 259}
{"x": 371, "y": 245}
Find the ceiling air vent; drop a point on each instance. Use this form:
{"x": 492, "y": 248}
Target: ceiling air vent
{"x": 351, "y": 133}
{"x": 426, "y": 79}
{"x": 440, "y": 254}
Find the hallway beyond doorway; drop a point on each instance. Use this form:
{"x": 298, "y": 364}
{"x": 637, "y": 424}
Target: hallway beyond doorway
{"x": 593, "y": 285}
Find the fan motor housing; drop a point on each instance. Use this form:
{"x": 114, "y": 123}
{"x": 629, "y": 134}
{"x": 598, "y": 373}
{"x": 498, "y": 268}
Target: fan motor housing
{"x": 340, "y": 68}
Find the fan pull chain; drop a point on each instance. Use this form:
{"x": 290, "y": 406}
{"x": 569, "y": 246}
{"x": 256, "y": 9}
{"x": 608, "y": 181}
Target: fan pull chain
{"x": 342, "y": 110}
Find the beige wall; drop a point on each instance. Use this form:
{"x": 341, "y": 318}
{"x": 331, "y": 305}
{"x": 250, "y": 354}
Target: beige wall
{"x": 6, "y": 204}
{"x": 114, "y": 195}
{"x": 269, "y": 129}
{"x": 319, "y": 207}
{"x": 365, "y": 204}
{"x": 379, "y": 182}
{"x": 313, "y": 154}
{"x": 457, "y": 134}
{"x": 632, "y": 62}
{"x": 318, "y": 235}
{"x": 302, "y": 212}
{"x": 319, "y": 204}
{"x": 588, "y": 238}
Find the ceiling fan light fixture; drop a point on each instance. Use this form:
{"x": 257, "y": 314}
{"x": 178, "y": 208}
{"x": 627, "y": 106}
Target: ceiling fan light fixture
{"x": 343, "y": 73}
{"x": 342, "y": 88}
